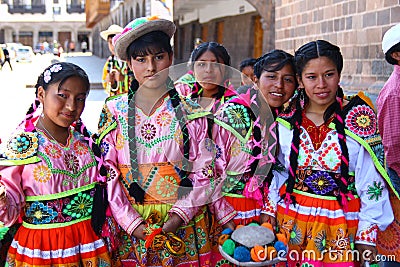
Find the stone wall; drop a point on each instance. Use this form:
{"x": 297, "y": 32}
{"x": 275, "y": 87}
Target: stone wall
{"x": 356, "y": 26}
{"x": 238, "y": 37}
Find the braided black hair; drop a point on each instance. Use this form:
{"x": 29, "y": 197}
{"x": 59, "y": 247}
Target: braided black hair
{"x": 303, "y": 55}
{"x": 59, "y": 73}
{"x": 152, "y": 43}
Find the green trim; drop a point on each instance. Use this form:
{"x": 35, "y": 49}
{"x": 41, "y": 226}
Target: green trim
{"x": 106, "y": 131}
{"x": 18, "y": 162}
{"x": 377, "y": 164}
{"x": 197, "y": 115}
{"x": 54, "y": 225}
{"x": 61, "y": 194}
{"x": 284, "y": 123}
{"x": 232, "y": 173}
{"x": 316, "y": 196}
{"x": 232, "y": 195}
{"x": 234, "y": 131}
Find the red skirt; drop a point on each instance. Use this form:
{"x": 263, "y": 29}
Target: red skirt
{"x": 71, "y": 245}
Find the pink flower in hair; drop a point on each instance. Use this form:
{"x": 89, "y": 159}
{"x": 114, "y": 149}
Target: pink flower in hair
{"x": 56, "y": 68}
{"x": 47, "y": 76}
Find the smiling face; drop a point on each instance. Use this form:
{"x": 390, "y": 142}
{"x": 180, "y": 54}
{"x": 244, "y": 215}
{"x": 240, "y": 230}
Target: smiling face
{"x": 62, "y": 106}
{"x": 277, "y": 86}
{"x": 209, "y": 73}
{"x": 148, "y": 69}
{"x": 320, "y": 79}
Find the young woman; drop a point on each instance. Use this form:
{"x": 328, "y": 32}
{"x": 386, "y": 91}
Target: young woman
{"x": 158, "y": 151}
{"x": 210, "y": 87}
{"x": 51, "y": 177}
{"x": 331, "y": 197}
{"x": 248, "y": 144}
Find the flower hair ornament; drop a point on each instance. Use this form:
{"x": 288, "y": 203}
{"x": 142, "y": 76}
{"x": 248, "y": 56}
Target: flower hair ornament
{"x": 47, "y": 73}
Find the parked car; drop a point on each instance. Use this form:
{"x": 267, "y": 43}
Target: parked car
{"x": 12, "y": 49}
{"x": 24, "y": 53}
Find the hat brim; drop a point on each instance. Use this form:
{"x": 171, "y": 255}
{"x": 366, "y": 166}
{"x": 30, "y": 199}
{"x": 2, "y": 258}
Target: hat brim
{"x": 122, "y": 43}
{"x": 104, "y": 34}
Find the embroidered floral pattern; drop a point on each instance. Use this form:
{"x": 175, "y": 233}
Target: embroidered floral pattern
{"x": 320, "y": 241}
{"x": 80, "y": 206}
{"x": 42, "y": 173}
{"x": 167, "y": 186}
{"x": 321, "y": 183}
{"x": 238, "y": 116}
{"x": 53, "y": 151}
{"x": 105, "y": 120}
{"x": 22, "y": 146}
{"x": 296, "y": 237}
{"x": 148, "y": 131}
{"x": 375, "y": 191}
{"x": 80, "y": 148}
{"x": 120, "y": 142}
{"x": 111, "y": 174}
{"x": 71, "y": 163}
{"x": 361, "y": 120}
{"x": 38, "y": 213}
{"x": 104, "y": 148}
{"x": 122, "y": 106}
{"x": 163, "y": 119}
{"x": 208, "y": 172}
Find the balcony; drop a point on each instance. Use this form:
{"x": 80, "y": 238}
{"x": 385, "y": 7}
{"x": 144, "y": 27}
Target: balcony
{"x": 75, "y": 8}
{"x": 23, "y": 9}
{"x": 95, "y": 11}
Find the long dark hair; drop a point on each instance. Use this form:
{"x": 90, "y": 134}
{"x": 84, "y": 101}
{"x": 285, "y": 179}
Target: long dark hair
{"x": 152, "y": 43}
{"x": 303, "y": 55}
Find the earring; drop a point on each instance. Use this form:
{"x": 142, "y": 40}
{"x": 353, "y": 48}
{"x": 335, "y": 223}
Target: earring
{"x": 42, "y": 115}
{"x": 301, "y": 97}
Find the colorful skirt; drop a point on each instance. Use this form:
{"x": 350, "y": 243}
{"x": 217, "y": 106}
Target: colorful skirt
{"x": 248, "y": 210}
{"x": 160, "y": 182}
{"x": 320, "y": 233}
{"x": 388, "y": 241}
{"x": 57, "y": 231}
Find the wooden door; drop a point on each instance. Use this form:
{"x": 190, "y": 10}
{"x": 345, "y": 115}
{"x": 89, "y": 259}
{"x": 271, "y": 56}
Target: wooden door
{"x": 220, "y": 32}
{"x": 258, "y": 37}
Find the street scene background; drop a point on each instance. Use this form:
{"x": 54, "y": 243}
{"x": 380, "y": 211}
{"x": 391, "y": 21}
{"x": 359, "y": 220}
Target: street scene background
{"x": 18, "y": 91}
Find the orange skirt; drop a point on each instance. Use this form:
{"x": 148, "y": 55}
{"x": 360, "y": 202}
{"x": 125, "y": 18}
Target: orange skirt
{"x": 318, "y": 229}
{"x": 388, "y": 241}
{"x": 66, "y": 246}
{"x": 248, "y": 209}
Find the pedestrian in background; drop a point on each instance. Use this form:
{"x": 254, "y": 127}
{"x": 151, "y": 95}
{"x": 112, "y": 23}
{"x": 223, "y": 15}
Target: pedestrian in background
{"x": 116, "y": 76}
{"x": 84, "y": 46}
{"x": 388, "y": 104}
{"x": 246, "y": 67}
{"x": 332, "y": 194}
{"x": 7, "y": 58}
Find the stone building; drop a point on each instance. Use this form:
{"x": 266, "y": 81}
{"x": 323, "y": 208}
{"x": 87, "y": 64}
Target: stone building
{"x": 250, "y": 28}
{"x": 32, "y": 22}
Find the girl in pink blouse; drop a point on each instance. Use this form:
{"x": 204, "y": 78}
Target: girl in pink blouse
{"x": 50, "y": 176}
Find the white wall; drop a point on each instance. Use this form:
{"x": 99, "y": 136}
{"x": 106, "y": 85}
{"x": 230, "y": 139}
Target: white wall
{"x": 217, "y": 10}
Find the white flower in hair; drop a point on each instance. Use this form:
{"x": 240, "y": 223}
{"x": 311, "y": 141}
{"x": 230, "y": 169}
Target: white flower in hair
{"x": 47, "y": 76}
{"x": 56, "y": 68}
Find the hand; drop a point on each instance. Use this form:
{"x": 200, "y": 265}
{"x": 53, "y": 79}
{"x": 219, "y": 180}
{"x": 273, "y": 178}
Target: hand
{"x": 173, "y": 223}
{"x": 230, "y": 225}
{"x": 118, "y": 76}
{"x": 268, "y": 218}
{"x": 139, "y": 232}
{"x": 367, "y": 253}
